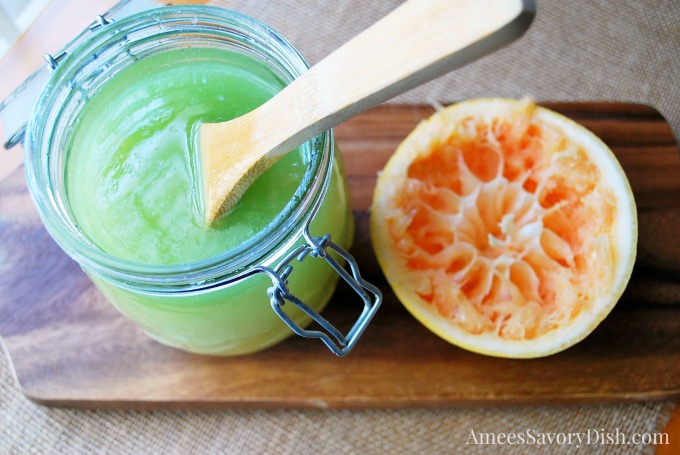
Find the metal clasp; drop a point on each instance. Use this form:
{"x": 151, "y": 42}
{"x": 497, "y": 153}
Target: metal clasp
{"x": 16, "y": 109}
{"x": 279, "y": 293}
{"x": 53, "y": 62}
{"x": 99, "y": 21}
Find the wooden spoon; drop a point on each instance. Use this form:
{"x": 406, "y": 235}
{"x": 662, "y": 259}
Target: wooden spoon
{"x": 418, "y": 41}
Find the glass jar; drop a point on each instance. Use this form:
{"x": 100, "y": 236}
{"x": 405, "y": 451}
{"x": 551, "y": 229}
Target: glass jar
{"x": 220, "y": 305}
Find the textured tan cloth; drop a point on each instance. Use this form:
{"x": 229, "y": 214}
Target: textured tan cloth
{"x": 576, "y": 50}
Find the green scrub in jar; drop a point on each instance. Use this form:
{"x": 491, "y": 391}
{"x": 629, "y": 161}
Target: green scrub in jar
{"x": 112, "y": 167}
{"x": 133, "y": 188}
{"x": 132, "y": 178}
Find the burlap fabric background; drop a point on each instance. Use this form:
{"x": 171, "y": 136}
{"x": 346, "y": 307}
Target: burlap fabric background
{"x": 576, "y": 50}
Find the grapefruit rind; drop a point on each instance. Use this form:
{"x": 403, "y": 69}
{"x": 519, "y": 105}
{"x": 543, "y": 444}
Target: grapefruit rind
{"x": 623, "y": 233}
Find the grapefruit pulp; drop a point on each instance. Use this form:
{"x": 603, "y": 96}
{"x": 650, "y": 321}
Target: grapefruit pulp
{"x": 505, "y": 228}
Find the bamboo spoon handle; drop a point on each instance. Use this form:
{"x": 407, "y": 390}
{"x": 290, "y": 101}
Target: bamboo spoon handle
{"x": 417, "y": 42}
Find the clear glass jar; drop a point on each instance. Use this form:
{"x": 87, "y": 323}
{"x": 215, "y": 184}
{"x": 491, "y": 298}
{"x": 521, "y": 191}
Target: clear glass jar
{"x": 235, "y": 302}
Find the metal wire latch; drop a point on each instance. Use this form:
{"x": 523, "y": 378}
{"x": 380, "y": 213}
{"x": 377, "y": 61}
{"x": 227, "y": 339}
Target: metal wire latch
{"x": 279, "y": 293}
{"x": 16, "y": 109}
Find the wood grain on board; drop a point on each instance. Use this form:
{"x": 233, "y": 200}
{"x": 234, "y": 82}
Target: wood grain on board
{"x": 69, "y": 347}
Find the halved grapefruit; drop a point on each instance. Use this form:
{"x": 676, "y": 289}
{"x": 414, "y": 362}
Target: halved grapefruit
{"x": 505, "y": 228}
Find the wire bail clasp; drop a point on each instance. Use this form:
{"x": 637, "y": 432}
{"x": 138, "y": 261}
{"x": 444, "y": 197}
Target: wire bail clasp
{"x": 17, "y": 108}
{"x": 279, "y": 293}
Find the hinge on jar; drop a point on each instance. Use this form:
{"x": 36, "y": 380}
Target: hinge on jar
{"x": 53, "y": 62}
{"x": 16, "y": 109}
{"x": 320, "y": 247}
{"x": 99, "y": 21}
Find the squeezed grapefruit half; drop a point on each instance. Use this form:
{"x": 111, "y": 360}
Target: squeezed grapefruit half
{"x": 505, "y": 228}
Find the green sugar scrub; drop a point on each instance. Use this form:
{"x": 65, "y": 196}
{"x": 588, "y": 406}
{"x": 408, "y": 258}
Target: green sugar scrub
{"x": 131, "y": 178}
{"x": 134, "y": 192}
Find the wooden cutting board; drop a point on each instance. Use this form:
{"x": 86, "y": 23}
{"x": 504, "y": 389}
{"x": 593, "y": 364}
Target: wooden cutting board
{"x": 69, "y": 347}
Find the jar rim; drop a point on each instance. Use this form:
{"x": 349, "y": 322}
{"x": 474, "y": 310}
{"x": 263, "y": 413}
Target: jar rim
{"x": 262, "y": 248}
